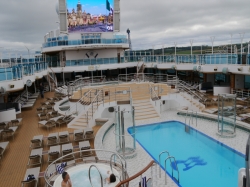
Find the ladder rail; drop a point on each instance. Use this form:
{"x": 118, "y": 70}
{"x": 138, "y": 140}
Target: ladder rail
{"x": 160, "y": 160}
{"x": 170, "y": 158}
{"x": 99, "y": 174}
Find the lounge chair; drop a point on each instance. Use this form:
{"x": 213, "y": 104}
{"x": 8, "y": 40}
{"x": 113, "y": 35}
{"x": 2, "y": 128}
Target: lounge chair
{"x": 39, "y": 110}
{"x": 3, "y": 147}
{"x": 67, "y": 149}
{"x": 35, "y": 157}
{"x": 49, "y": 108}
{"x": 52, "y": 139}
{"x": 31, "y": 171}
{"x": 78, "y": 135}
{"x": 54, "y": 114}
{"x": 84, "y": 146}
{"x": 36, "y": 142}
{"x": 42, "y": 116}
{"x": 89, "y": 133}
{"x": 15, "y": 122}
{"x": 9, "y": 132}
{"x": 60, "y": 122}
{"x": 64, "y": 137}
{"x": 48, "y": 124}
{"x": 54, "y": 153}
{"x": 3, "y": 126}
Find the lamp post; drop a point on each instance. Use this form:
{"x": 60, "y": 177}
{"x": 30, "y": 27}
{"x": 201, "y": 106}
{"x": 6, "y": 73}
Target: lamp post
{"x": 175, "y": 44}
{"x": 28, "y": 51}
{"x": 191, "y": 43}
{"x": 241, "y": 40}
{"x": 231, "y": 34}
{"x": 212, "y": 40}
{"x": 1, "y": 55}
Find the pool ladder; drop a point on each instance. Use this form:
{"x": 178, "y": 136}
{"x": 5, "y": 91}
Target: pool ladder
{"x": 99, "y": 174}
{"x": 191, "y": 116}
{"x": 165, "y": 167}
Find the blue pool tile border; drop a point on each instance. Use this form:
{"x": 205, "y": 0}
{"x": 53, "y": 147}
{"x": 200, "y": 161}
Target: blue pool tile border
{"x": 164, "y": 122}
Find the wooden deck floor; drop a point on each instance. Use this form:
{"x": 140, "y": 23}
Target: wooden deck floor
{"x": 14, "y": 162}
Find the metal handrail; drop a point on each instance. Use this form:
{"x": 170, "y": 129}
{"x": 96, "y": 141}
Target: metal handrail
{"x": 171, "y": 157}
{"x": 81, "y": 99}
{"x": 160, "y": 161}
{"x": 99, "y": 174}
{"x": 157, "y": 96}
{"x": 48, "y": 176}
{"x": 123, "y": 172}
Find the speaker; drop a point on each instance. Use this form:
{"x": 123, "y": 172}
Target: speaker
{"x": 12, "y": 85}
{"x": 240, "y": 69}
{"x": 111, "y": 109}
{"x": 163, "y": 102}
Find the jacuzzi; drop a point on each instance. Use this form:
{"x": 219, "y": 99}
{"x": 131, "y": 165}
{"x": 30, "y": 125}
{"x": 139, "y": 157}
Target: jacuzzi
{"x": 79, "y": 176}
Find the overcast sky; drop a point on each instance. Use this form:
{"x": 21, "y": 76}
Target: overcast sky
{"x": 152, "y": 22}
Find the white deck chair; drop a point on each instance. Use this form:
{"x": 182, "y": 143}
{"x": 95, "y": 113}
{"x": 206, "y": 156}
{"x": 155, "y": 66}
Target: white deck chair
{"x": 84, "y": 146}
{"x": 54, "y": 153}
{"x": 78, "y": 135}
{"x": 89, "y": 133}
{"x": 36, "y": 142}
{"x": 64, "y": 137}
{"x": 9, "y": 132}
{"x": 31, "y": 171}
{"x": 67, "y": 149}
{"x": 52, "y": 139}
{"x": 35, "y": 157}
{"x": 3, "y": 147}
{"x": 47, "y": 124}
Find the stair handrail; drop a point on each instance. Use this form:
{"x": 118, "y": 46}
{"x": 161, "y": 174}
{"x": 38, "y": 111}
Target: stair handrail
{"x": 182, "y": 85}
{"x": 99, "y": 174}
{"x": 92, "y": 103}
{"x": 136, "y": 175}
{"x": 156, "y": 96}
{"x": 171, "y": 157}
{"x": 54, "y": 77}
{"x": 86, "y": 95}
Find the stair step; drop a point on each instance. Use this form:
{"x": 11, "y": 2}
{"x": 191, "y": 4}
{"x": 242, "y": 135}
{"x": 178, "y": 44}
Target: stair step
{"x": 146, "y": 117}
{"x": 144, "y": 109}
{"x": 143, "y": 106}
{"x": 140, "y": 101}
{"x": 80, "y": 124}
{"x": 140, "y": 113}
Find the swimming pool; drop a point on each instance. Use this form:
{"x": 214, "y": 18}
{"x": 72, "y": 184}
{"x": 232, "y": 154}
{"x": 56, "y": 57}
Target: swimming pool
{"x": 201, "y": 160}
{"x": 79, "y": 176}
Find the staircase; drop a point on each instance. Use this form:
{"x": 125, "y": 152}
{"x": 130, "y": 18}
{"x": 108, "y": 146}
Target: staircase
{"x": 52, "y": 80}
{"x": 141, "y": 102}
{"x": 91, "y": 101}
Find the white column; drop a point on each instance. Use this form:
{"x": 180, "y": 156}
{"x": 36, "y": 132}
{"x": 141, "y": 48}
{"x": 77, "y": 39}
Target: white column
{"x": 241, "y": 48}
{"x": 191, "y": 43}
{"x": 175, "y": 44}
{"x": 212, "y": 40}
{"x": 231, "y": 34}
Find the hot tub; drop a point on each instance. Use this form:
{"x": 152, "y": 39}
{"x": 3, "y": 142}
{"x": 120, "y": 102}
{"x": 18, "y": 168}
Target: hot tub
{"x": 79, "y": 176}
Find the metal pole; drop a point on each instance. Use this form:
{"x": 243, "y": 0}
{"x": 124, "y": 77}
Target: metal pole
{"x": 212, "y": 40}
{"x": 191, "y": 42}
{"x": 201, "y": 49}
{"x": 241, "y": 40}
{"x": 231, "y": 46}
{"x": 123, "y": 133}
{"x": 175, "y": 44}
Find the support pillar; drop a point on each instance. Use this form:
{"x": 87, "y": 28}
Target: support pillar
{"x": 204, "y": 77}
{"x": 232, "y": 82}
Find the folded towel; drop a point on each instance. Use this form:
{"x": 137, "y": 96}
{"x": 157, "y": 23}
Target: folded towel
{"x": 30, "y": 177}
{"x": 59, "y": 169}
{"x": 64, "y": 164}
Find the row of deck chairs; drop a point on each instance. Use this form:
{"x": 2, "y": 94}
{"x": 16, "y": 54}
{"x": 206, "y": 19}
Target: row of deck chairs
{"x": 26, "y": 103}
{"x": 59, "y": 120}
{"x": 8, "y": 128}
{"x": 62, "y": 90}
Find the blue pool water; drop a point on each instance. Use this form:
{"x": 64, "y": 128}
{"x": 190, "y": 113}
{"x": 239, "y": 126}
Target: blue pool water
{"x": 201, "y": 160}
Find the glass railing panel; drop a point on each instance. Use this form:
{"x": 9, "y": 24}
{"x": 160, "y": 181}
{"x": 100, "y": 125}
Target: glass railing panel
{"x": 9, "y": 73}
{"x": 86, "y": 62}
{"x": 99, "y": 61}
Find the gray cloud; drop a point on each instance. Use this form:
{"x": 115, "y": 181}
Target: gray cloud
{"x": 25, "y": 22}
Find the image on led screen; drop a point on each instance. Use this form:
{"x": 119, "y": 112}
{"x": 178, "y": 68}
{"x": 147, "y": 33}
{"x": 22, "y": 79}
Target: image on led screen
{"x": 90, "y": 15}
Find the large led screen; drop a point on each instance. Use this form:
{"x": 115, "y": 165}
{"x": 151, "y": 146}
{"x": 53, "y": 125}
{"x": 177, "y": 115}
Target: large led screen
{"x": 90, "y": 15}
